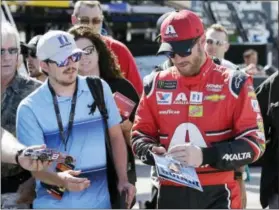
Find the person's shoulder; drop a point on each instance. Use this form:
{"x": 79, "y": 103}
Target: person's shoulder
{"x": 229, "y": 64}
{"x": 119, "y": 82}
{"x": 161, "y": 67}
{"x": 29, "y": 80}
{"x": 111, "y": 40}
{"x": 271, "y": 80}
{"x": 270, "y": 83}
{"x": 235, "y": 80}
{"x": 35, "y": 97}
{"x": 124, "y": 87}
{"x": 162, "y": 75}
{"x": 85, "y": 81}
{"x": 115, "y": 44}
{"x": 27, "y": 83}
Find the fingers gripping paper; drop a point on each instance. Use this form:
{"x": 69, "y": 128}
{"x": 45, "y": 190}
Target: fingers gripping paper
{"x": 172, "y": 170}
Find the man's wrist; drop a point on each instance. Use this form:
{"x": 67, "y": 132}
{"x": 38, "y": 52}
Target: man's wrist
{"x": 18, "y": 153}
{"x": 123, "y": 178}
{"x": 62, "y": 180}
{"x": 209, "y": 155}
{"x": 122, "y": 181}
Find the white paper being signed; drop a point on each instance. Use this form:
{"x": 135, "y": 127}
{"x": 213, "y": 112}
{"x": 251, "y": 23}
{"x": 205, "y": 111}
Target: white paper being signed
{"x": 172, "y": 170}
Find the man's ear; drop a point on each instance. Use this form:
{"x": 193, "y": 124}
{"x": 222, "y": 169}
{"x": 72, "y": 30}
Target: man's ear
{"x": 74, "y": 19}
{"x": 44, "y": 66}
{"x": 19, "y": 61}
{"x": 227, "y": 47}
{"x": 202, "y": 40}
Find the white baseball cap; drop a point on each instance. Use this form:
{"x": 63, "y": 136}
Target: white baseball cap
{"x": 57, "y": 46}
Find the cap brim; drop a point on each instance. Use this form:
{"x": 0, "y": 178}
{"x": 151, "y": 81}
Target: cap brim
{"x": 61, "y": 57}
{"x": 158, "y": 38}
{"x": 29, "y": 46}
{"x": 177, "y": 46}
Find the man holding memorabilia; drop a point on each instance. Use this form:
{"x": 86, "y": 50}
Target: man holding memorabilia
{"x": 58, "y": 115}
{"x": 173, "y": 114}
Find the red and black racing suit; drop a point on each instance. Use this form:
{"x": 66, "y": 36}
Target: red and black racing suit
{"x": 216, "y": 110}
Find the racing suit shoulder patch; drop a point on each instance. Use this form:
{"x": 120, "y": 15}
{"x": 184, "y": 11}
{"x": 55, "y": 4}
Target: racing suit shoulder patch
{"x": 237, "y": 80}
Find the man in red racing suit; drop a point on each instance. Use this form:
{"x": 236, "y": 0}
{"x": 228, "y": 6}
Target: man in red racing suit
{"x": 216, "y": 110}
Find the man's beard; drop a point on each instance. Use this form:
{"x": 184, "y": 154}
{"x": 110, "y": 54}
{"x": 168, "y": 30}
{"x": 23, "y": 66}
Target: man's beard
{"x": 67, "y": 83}
{"x": 194, "y": 67}
{"x": 35, "y": 73}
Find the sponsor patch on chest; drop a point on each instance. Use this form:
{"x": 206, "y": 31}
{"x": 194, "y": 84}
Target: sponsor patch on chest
{"x": 195, "y": 111}
{"x": 167, "y": 85}
{"x": 164, "y": 98}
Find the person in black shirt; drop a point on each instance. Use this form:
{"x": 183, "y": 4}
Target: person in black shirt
{"x": 100, "y": 61}
{"x": 268, "y": 97}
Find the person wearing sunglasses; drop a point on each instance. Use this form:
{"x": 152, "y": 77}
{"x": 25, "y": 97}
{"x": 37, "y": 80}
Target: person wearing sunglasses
{"x": 33, "y": 65}
{"x": 14, "y": 88}
{"x": 217, "y": 44}
{"x": 57, "y": 115}
{"x": 200, "y": 114}
{"x": 90, "y": 13}
{"x": 98, "y": 60}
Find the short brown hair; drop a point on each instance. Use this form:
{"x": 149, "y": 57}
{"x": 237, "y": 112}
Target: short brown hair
{"x": 249, "y": 52}
{"x": 108, "y": 63}
{"x": 218, "y": 27}
{"x": 90, "y": 4}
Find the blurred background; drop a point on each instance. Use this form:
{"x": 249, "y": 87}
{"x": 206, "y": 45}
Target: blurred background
{"x": 251, "y": 24}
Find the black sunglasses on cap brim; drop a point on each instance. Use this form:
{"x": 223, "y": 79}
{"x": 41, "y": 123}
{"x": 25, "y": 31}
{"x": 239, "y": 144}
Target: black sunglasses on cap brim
{"x": 187, "y": 52}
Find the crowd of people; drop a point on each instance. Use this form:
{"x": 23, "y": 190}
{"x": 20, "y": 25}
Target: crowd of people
{"x": 68, "y": 104}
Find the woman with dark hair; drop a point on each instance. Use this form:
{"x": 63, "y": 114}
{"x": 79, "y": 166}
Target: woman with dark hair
{"x": 99, "y": 60}
{"x": 107, "y": 67}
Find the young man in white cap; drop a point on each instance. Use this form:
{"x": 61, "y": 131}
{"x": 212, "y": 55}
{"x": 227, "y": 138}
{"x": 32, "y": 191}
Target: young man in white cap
{"x": 57, "y": 114}
{"x": 174, "y": 111}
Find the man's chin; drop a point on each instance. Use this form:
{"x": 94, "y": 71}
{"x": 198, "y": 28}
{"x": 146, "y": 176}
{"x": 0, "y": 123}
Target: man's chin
{"x": 69, "y": 81}
{"x": 188, "y": 72}
{"x": 7, "y": 71}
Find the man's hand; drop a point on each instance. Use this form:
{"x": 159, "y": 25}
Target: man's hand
{"x": 73, "y": 183}
{"x": 188, "y": 154}
{"x": 251, "y": 69}
{"x": 158, "y": 150}
{"x": 33, "y": 165}
{"x": 130, "y": 189}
